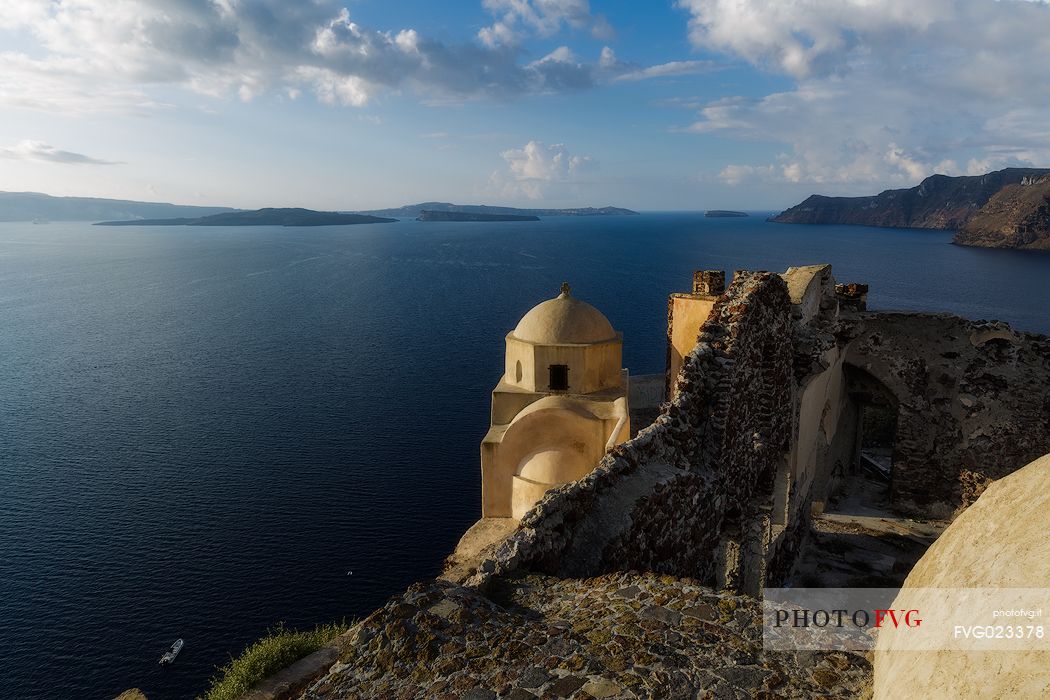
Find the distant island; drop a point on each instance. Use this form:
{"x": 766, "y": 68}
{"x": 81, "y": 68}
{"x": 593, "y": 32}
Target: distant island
{"x": 414, "y": 210}
{"x": 1003, "y": 209}
{"x": 261, "y": 217}
{"x": 723, "y": 213}
{"x": 34, "y": 206}
{"x": 427, "y": 215}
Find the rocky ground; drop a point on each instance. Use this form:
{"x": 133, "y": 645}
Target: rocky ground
{"x": 623, "y": 635}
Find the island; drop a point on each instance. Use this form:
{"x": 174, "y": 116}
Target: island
{"x": 261, "y": 217}
{"x": 1002, "y": 209}
{"x": 723, "y": 213}
{"x": 427, "y": 215}
{"x": 411, "y": 211}
{"x": 39, "y": 207}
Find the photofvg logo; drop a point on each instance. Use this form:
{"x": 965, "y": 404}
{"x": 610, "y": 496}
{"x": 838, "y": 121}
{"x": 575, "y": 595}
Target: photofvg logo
{"x": 858, "y": 619}
{"x": 830, "y": 618}
{"x": 861, "y": 619}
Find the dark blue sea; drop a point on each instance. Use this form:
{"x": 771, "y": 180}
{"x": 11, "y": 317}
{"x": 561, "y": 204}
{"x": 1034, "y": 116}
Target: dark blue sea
{"x": 203, "y": 430}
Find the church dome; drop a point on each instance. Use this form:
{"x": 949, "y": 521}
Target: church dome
{"x": 564, "y": 320}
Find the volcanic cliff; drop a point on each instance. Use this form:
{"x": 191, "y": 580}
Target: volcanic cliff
{"x": 939, "y": 202}
{"x": 1017, "y": 216}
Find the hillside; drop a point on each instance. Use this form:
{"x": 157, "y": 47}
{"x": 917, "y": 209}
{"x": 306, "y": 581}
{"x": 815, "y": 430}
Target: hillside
{"x": 414, "y": 210}
{"x": 260, "y": 217}
{"x": 939, "y": 202}
{"x": 1018, "y": 216}
{"x": 30, "y": 206}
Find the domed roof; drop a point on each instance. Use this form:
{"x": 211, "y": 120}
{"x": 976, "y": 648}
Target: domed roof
{"x": 562, "y": 320}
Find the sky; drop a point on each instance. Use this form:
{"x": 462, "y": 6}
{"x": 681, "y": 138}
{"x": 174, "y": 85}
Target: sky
{"x": 656, "y": 105}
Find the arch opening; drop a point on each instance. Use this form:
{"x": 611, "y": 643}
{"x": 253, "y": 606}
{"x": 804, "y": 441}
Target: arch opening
{"x": 863, "y": 480}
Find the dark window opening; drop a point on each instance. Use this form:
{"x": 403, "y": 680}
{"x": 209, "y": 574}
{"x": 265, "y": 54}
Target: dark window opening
{"x": 559, "y": 377}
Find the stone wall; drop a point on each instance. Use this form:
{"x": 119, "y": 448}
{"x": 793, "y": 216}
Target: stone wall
{"x": 974, "y": 401}
{"x": 664, "y": 500}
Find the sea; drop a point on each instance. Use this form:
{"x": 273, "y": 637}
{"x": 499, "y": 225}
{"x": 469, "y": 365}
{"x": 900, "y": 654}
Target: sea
{"x": 207, "y": 432}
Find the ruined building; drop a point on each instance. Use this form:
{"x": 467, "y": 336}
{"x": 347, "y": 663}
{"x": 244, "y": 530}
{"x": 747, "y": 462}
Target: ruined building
{"x": 770, "y": 403}
{"x": 639, "y": 575}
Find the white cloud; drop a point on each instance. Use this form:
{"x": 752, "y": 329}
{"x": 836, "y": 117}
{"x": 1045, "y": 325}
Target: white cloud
{"x": 517, "y": 18}
{"x": 535, "y": 167}
{"x": 667, "y": 70}
{"x": 886, "y": 91}
{"x": 94, "y": 55}
{"x": 37, "y": 150}
{"x": 735, "y": 174}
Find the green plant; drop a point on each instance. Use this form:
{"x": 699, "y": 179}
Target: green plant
{"x": 279, "y": 648}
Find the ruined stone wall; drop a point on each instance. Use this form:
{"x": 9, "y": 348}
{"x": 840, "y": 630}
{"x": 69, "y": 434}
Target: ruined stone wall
{"x": 661, "y": 501}
{"x": 974, "y": 401}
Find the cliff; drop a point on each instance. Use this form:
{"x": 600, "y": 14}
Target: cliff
{"x": 1017, "y": 216}
{"x": 939, "y": 202}
{"x": 427, "y": 215}
{"x": 260, "y": 217}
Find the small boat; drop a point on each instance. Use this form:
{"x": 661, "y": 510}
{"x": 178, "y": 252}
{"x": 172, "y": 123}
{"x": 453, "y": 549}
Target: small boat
{"x": 170, "y": 654}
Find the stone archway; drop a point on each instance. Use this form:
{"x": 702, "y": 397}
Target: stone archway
{"x": 553, "y": 441}
{"x": 543, "y": 469}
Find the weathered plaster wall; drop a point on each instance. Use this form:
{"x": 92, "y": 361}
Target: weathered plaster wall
{"x": 974, "y": 400}
{"x": 824, "y": 426}
{"x": 686, "y": 314}
{"x": 663, "y": 501}
{"x": 592, "y": 367}
{"x": 551, "y": 441}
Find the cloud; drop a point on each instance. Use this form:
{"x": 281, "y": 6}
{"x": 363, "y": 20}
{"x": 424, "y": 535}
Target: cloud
{"x": 667, "y": 70}
{"x": 534, "y": 167}
{"x": 92, "y": 55}
{"x": 884, "y": 91}
{"x": 517, "y": 18}
{"x": 36, "y": 150}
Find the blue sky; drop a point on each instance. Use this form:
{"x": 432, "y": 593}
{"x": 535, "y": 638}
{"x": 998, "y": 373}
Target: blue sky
{"x": 691, "y": 104}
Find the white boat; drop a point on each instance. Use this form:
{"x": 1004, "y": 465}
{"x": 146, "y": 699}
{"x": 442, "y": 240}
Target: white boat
{"x": 170, "y": 654}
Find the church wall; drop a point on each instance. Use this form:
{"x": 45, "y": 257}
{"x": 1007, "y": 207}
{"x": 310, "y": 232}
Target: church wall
{"x": 546, "y": 425}
{"x": 822, "y": 404}
{"x": 592, "y": 367}
{"x": 520, "y": 370}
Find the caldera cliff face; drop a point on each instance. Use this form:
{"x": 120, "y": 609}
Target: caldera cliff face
{"x": 940, "y": 202}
